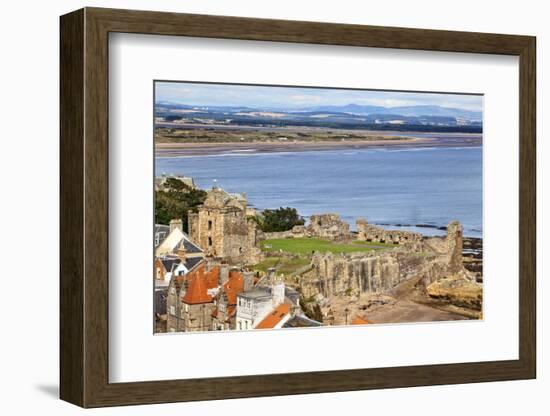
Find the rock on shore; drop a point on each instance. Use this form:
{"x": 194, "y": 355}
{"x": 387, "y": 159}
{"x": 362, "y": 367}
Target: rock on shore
{"x": 458, "y": 291}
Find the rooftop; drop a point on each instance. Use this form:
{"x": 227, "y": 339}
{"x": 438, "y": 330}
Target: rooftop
{"x": 276, "y": 316}
{"x": 256, "y": 293}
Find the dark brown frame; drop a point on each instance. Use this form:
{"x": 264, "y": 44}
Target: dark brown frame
{"x": 84, "y": 209}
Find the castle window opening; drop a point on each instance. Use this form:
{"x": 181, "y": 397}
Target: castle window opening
{"x": 209, "y": 225}
{"x": 209, "y": 241}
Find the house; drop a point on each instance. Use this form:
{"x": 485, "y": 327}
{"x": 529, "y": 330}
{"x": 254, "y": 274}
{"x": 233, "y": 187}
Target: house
{"x": 178, "y": 243}
{"x": 161, "y": 232}
{"x": 254, "y": 305}
{"x": 224, "y": 316}
{"x": 190, "y": 300}
{"x": 276, "y": 318}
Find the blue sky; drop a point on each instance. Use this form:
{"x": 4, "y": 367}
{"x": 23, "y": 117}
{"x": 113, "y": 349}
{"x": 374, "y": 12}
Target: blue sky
{"x": 291, "y": 97}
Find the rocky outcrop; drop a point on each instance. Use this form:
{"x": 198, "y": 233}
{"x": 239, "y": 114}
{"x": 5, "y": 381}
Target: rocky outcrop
{"x": 457, "y": 290}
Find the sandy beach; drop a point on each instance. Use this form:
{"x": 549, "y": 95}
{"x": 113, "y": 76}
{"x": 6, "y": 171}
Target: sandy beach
{"x": 201, "y": 149}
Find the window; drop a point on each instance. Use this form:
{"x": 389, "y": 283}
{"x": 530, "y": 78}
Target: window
{"x": 173, "y": 290}
{"x": 210, "y": 241}
{"x": 209, "y": 225}
{"x": 172, "y": 310}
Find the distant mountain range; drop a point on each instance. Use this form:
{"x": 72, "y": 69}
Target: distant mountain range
{"x": 353, "y": 116}
{"x": 411, "y": 110}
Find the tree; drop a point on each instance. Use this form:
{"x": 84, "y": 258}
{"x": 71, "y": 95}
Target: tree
{"x": 175, "y": 184}
{"x": 280, "y": 219}
{"x": 176, "y": 203}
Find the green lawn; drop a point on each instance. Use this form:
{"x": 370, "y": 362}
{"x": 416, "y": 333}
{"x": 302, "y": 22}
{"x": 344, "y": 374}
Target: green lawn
{"x": 283, "y": 265}
{"x": 308, "y": 245}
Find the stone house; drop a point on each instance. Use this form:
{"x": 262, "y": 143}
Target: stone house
{"x": 190, "y": 299}
{"x": 223, "y": 227}
{"x": 232, "y": 283}
{"x": 205, "y": 298}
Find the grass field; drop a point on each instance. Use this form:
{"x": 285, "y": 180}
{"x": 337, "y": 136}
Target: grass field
{"x": 284, "y": 265}
{"x": 309, "y": 245}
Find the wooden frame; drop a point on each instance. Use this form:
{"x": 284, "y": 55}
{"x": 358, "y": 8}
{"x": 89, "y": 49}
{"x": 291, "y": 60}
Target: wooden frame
{"x": 84, "y": 207}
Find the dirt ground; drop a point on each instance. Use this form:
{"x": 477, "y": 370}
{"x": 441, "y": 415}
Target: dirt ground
{"x": 407, "y": 302}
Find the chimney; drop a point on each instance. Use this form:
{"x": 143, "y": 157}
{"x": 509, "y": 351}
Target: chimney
{"x": 271, "y": 273}
{"x": 176, "y": 223}
{"x": 224, "y": 274}
{"x": 248, "y": 280}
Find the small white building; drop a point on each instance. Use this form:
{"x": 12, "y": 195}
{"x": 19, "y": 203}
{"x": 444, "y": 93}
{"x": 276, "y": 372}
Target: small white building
{"x": 254, "y": 305}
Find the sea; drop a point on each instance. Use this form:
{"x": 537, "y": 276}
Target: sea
{"x": 419, "y": 189}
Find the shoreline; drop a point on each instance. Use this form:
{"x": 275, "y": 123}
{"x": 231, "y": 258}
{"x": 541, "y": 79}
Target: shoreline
{"x": 207, "y": 149}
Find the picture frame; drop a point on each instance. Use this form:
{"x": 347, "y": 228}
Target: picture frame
{"x": 84, "y": 218}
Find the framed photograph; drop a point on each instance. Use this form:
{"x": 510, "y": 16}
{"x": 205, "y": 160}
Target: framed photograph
{"x": 256, "y": 207}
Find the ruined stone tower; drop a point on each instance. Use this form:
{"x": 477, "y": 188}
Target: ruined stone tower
{"x": 221, "y": 227}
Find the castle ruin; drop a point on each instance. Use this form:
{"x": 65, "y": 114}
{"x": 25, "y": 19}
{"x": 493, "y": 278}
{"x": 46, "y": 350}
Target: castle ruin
{"x": 223, "y": 227}
{"x": 376, "y": 272}
{"x": 375, "y": 234}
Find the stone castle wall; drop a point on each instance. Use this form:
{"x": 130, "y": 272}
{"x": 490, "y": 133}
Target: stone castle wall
{"x": 375, "y": 234}
{"x": 328, "y": 226}
{"x": 222, "y": 228}
{"x": 345, "y": 274}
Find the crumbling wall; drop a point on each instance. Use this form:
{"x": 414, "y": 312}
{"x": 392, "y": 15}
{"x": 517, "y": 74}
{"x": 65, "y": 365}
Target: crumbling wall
{"x": 375, "y": 234}
{"x": 328, "y": 226}
{"x": 345, "y": 274}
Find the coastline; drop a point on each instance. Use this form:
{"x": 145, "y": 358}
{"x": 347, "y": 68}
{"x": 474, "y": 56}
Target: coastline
{"x": 206, "y": 149}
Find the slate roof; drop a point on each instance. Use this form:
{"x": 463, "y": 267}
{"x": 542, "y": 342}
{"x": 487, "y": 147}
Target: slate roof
{"x": 300, "y": 322}
{"x": 192, "y": 262}
{"x": 189, "y": 246}
{"x": 170, "y": 262}
{"x": 256, "y": 293}
{"x": 162, "y": 231}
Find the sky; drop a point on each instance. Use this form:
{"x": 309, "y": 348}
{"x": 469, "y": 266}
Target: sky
{"x": 291, "y": 97}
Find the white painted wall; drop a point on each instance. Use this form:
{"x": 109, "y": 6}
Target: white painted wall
{"x": 29, "y": 95}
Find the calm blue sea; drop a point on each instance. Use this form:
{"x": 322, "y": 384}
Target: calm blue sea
{"x": 399, "y": 187}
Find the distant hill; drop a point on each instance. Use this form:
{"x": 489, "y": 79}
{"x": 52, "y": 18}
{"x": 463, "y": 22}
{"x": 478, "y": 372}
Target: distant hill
{"x": 350, "y": 116}
{"x": 416, "y": 110}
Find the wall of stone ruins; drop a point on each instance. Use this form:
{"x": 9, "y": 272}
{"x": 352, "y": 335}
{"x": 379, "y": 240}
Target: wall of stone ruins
{"x": 345, "y": 274}
{"x": 328, "y": 226}
{"x": 375, "y": 234}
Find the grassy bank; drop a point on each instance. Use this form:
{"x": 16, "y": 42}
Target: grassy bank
{"x": 306, "y": 246}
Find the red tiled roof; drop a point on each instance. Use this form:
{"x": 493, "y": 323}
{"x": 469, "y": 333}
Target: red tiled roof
{"x": 359, "y": 320}
{"x": 196, "y": 292}
{"x": 200, "y": 281}
{"x": 233, "y": 286}
{"x": 276, "y": 316}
